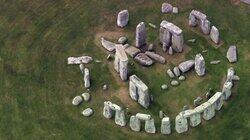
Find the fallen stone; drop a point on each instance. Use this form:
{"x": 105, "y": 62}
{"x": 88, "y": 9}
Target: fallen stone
{"x": 98, "y": 61}
{"x": 215, "y": 62}
{"x": 86, "y": 96}
{"x": 135, "y": 123}
{"x": 204, "y": 51}
{"x": 86, "y": 78}
{"x": 110, "y": 46}
{"x": 77, "y": 100}
{"x": 125, "y": 46}
{"x": 79, "y": 60}
{"x": 199, "y": 65}
{"x": 176, "y": 71}
{"x": 232, "y": 54}
{"x": 87, "y": 112}
{"x": 182, "y": 78}
{"x": 214, "y": 34}
{"x": 174, "y": 83}
{"x": 165, "y": 126}
{"x": 175, "y": 10}
{"x": 181, "y": 124}
{"x": 141, "y": 35}
{"x": 105, "y": 87}
{"x": 192, "y": 40}
{"x": 123, "y": 18}
{"x": 186, "y": 65}
{"x": 164, "y": 87}
{"x": 150, "y": 126}
{"x": 122, "y": 40}
{"x": 107, "y": 111}
{"x": 132, "y": 51}
{"x": 152, "y": 25}
{"x": 170, "y": 73}
{"x": 156, "y": 57}
{"x": 166, "y": 8}
{"x": 245, "y": 1}
{"x": 143, "y": 59}
{"x": 120, "y": 118}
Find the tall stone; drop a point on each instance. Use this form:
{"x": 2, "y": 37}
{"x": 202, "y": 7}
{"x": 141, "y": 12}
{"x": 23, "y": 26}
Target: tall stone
{"x": 135, "y": 123}
{"x": 165, "y": 126}
{"x": 181, "y": 124}
{"x": 121, "y": 63}
{"x": 214, "y": 35}
{"x": 123, "y": 18}
{"x": 150, "y": 126}
{"x": 86, "y": 78}
{"x": 205, "y": 26}
{"x": 176, "y": 71}
{"x": 192, "y": 20}
{"x": 141, "y": 35}
{"x": 232, "y": 54}
{"x": 200, "y": 65}
{"x": 177, "y": 43}
{"x": 165, "y": 38}
{"x": 209, "y": 111}
{"x": 107, "y": 111}
{"x": 226, "y": 91}
{"x": 120, "y": 117}
{"x": 217, "y": 100}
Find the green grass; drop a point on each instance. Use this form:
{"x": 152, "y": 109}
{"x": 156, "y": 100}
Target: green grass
{"x": 37, "y": 86}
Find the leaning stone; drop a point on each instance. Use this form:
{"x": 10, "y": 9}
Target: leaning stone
{"x": 182, "y": 78}
{"x": 107, "y": 111}
{"x": 215, "y": 62}
{"x": 143, "y": 59}
{"x": 170, "y": 73}
{"x": 110, "y": 46}
{"x": 199, "y": 65}
{"x": 232, "y": 54}
{"x": 122, "y": 40}
{"x": 141, "y": 35}
{"x": 120, "y": 118}
{"x": 214, "y": 34}
{"x": 166, "y": 8}
{"x": 135, "y": 123}
{"x": 165, "y": 126}
{"x": 150, "y": 126}
{"x": 176, "y": 71}
{"x": 79, "y": 60}
{"x": 123, "y": 18}
{"x": 156, "y": 57}
{"x": 86, "y": 78}
{"x": 77, "y": 100}
{"x": 170, "y": 51}
{"x": 186, "y": 65}
{"x": 87, "y": 112}
{"x": 164, "y": 87}
{"x": 174, "y": 83}
{"x": 86, "y": 96}
{"x": 132, "y": 51}
{"x": 175, "y": 10}
{"x": 181, "y": 124}
{"x": 143, "y": 117}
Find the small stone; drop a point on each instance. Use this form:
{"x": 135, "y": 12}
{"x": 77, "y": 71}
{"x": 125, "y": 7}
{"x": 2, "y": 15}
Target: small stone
{"x": 143, "y": 59}
{"x": 236, "y": 78}
{"x": 87, "y": 112}
{"x": 192, "y": 40}
{"x": 215, "y": 62}
{"x": 122, "y": 18}
{"x": 170, "y": 51}
{"x": 166, "y": 8}
{"x": 164, "y": 87}
{"x": 152, "y": 25}
{"x": 232, "y": 54}
{"x": 77, "y": 100}
{"x": 79, "y": 60}
{"x": 174, "y": 83}
{"x": 105, "y": 87}
{"x": 182, "y": 78}
{"x": 156, "y": 57}
{"x": 175, "y": 10}
{"x": 86, "y": 96}
{"x": 186, "y": 107}
{"x": 98, "y": 61}
{"x": 204, "y": 51}
{"x": 170, "y": 73}
{"x": 151, "y": 47}
{"x": 122, "y": 40}
{"x": 176, "y": 71}
{"x": 165, "y": 126}
{"x": 161, "y": 114}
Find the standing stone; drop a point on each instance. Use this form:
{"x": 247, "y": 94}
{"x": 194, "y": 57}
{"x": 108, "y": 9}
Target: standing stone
{"x": 165, "y": 126}
{"x": 135, "y": 123}
{"x": 193, "y": 115}
{"x": 226, "y": 91}
{"x": 197, "y": 101}
{"x": 143, "y": 117}
{"x": 170, "y": 51}
{"x": 161, "y": 114}
{"x": 177, "y": 71}
{"x": 121, "y": 63}
{"x": 165, "y": 38}
{"x": 143, "y": 59}
{"x": 177, "y": 42}
{"x": 200, "y": 65}
{"x": 81, "y": 66}
{"x": 170, "y": 73}
{"x": 232, "y": 54}
{"x": 192, "y": 20}
{"x": 205, "y": 26}
{"x": 214, "y": 35}
{"x": 186, "y": 65}
{"x": 150, "y": 126}
{"x": 166, "y": 8}
{"x": 175, "y": 10}
{"x": 107, "y": 111}
{"x": 123, "y": 18}
{"x": 217, "y": 99}
{"x": 181, "y": 124}
{"x": 209, "y": 111}
{"x": 140, "y": 36}
{"x": 86, "y": 78}
{"x": 120, "y": 117}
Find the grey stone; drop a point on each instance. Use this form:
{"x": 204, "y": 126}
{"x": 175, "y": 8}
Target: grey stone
{"x": 192, "y": 20}
{"x": 230, "y": 74}
{"x": 165, "y": 38}
{"x": 175, "y": 10}
{"x": 164, "y": 87}
{"x": 123, "y": 18}
{"x": 156, "y": 57}
{"x": 198, "y": 15}
{"x": 193, "y": 116}
{"x": 120, "y": 117}
{"x": 98, "y": 61}
{"x": 209, "y": 111}
{"x": 177, "y": 43}
{"x": 86, "y": 96}
{"x": 215, "y": 62}
{"x": 214, "y": 34}
{"x": 200, "y": 65}
{"x": 77, "y": 100}
{"x": 176, "y": 71}
{"x": 182, "y": 78}
{"x": 170, "y": 73}
{"x": 122, "y": 40}
{"x": 236, "y": 78}
{"x": 132, "y": 51}
{"x": 151, "y": 98}
{"x": 107, "y": 111}
{"x": 87, "y": 112}
{"x": 143, "y": 59}
{"x": 170, "y": 51}
{"x": 143, "y": 117}
{"x": 121, "y": 63}
{"x": 151, "y": 47}
{"x": 165, "y": 126}
{"x": 186, "y": 65}
{"x": 125, "y": 46}
{"x": 226, "y": 91}
{"x": 205, "y": 26}
{"x": 197, "y": 101}
{"x": 110, "y": 46}
{"x": 135, "y": 123}
{"x": 141, "y": 35}
{"x": 232, "y": 54}
{"x": 245, "y": 1}
{"x": 174, "y": 83}
{"x": 181, "y": 124}
{"x": 79, "y": 60}
{"x": 166, "y": 8}
{"x": 217, "y": 100}
{"x": 185, "y": 107}
{"x": 86, "y": 78}
{"x": 150, "y": 126}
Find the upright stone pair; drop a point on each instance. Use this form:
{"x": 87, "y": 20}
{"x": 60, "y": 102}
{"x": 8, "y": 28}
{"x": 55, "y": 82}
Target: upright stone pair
{"x": 135, "y": 123}
{"x": 121, "y": 63}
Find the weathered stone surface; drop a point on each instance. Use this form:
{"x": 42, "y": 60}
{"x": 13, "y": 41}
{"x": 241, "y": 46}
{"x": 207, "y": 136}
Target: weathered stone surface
{"x": 170, "y": 73}
{"x": 86, "y": 78}
{"x": 125, "y": 46}
{"x": 226, "y": 91}
{"x": 181, "y": 124}
{"x": 143, "y": 59}
{"x": 81, "y": 66}
{"x": 165, "y": 38}
{"x": 165, "y": 126}
{"x": 143, "y": 117}
{"x": 176, "y": 71}
{"x": 123, "y": 18}
{"x": 107, "y": 111}
{"x": 151, "y": 47}
{"x": 217, "y": 100}
{"x": 214, "y": 35}
{"x": 177, "y": 43}
{"x": 205, "y": 26}
{"x": 186, "y": 65}
{"x": 121, "y": 63}
{"x": 135, "y": 123}
{"x": 232, "y": 54}
{"x": 209, "y": 111}
{"x": 156, "y": 57}
{"x": 174, "y": 83}
{"x": 166, "y": 8}
{"x": 173, "y": 29}
{"x": 215, "y": 62}
{"x": 122, "y": 40}
{"x": 132, "y": 51}
{"x": 192, "y": 20}
{"x": 245, "y": 1}
{"x": 230, "y": 74}
{"x": 170, "y": 51}
{"x": 141, "y": 35}
{"x": 175, "y": 10}
{"x": 185, "y": 107}
{"x": 182, "y": 78}
{"x": 164, "y": 87}
{"x": 150, "y": 126}
{"x": 138, "y": 91}
{"x": 77, "y": 100}
{"x": 120, "y": 117}
{"x": 200, "y": 65}
{"x": 198, "y": 14}
{"x": 110, "y": 46}
{"x": 79, "y": 60}
{"x": 87, "y": 112}
{"x": 86, "y": 96}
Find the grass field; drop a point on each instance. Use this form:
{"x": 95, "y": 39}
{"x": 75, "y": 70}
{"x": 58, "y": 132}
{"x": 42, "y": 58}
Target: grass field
{"x": 37, "y": 86}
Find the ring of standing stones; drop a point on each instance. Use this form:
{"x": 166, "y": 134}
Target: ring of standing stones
{"x": 172, "y": 40}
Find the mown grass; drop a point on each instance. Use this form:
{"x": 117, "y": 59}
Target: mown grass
{"x": 37, "y": 85}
